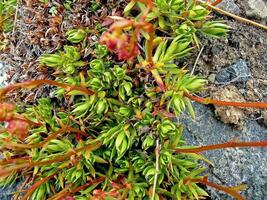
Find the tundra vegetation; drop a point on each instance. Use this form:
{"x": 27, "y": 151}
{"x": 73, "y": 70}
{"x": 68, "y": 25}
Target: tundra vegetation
{"x": 109, "y": 132}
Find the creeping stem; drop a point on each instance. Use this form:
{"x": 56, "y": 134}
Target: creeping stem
{"x": 227, "y": 190}
{"x": 99, "y": 180}
{"x": 222, "y": 146}
{"x": 11, "y": 145}
{"x": 227, "y": 103}
{"x": 36, "y": 83}
{"x": 30, "y": 164}
{"x": 36, "y": 185}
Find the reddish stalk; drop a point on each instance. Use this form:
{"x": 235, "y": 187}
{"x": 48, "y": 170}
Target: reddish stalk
{"x": 54, "y": 135}
{"x": 227, "y": 190}
{"x": 215, "y": 3}
{"x": 22, "y": 118}
{"x": 15, "y": 160}
{"x": 4, "y": 172}
{"x": 149, "y": 5}
{"x": 61, "y": 195}
{"x": 99, "y": 180}
{"x": 36, "y": 185}
{"x": 227, "y": 103}
{"x": 36, "y": 83}
{"x": 223, "y": 146}
{"x": 68, "y": 192}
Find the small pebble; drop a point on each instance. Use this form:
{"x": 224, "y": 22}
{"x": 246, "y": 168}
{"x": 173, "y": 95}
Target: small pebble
{"x": 212, "y": 78}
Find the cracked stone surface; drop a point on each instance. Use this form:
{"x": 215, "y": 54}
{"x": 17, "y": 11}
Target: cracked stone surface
{"x": 231, "y": 166}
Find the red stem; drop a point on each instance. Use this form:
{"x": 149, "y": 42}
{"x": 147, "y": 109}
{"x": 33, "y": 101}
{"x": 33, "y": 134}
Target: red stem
{"x": 149, "y": 5}
{"x": 22, "y": 118}
{"x": 52, "y": 136}
{"x": 99, "y": 180}
{"x": 227, "y": 190}
{"x": 60, "y": 158}
{"x": 36, "y": 83}
{"x": 216, "y": 2}
{"x": 227, "y": 103}
{"x": 36, "y": 185}
{"x": 223, "y": 146}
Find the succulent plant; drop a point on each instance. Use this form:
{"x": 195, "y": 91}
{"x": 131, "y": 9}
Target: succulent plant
{"x": 108, "y": 132}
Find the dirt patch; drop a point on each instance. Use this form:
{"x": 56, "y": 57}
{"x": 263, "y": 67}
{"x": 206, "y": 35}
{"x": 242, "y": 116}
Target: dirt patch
{"x": 231, "y": 115}
{"x": 244, "y": 42}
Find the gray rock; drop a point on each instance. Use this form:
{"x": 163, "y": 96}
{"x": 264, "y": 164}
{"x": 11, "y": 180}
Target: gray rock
{"x": 231, "y": 166}
{"x": 238, "y": 72}
{"x": 256, "y": 8}
{"x": 212, "y": 78}
{"x": 230, "y": 6}
{"x": 223, "y": 76}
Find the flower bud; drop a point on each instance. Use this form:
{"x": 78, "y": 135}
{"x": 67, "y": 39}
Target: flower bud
{"x": 195, "y": 84}
{"x": 71, "y": 53}
{"x": 18, "y": 128}
{"x": 185, "y": 29}
{"x": 6, "y": 111}
{"x": 121, "y": 44}
{"x": 125, "y": 89}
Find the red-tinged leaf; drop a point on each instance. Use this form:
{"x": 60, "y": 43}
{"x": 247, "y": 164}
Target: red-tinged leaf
{"x": 158, "y": 79}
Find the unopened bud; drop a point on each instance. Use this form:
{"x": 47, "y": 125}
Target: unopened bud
{"x": 18, "y": 128}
